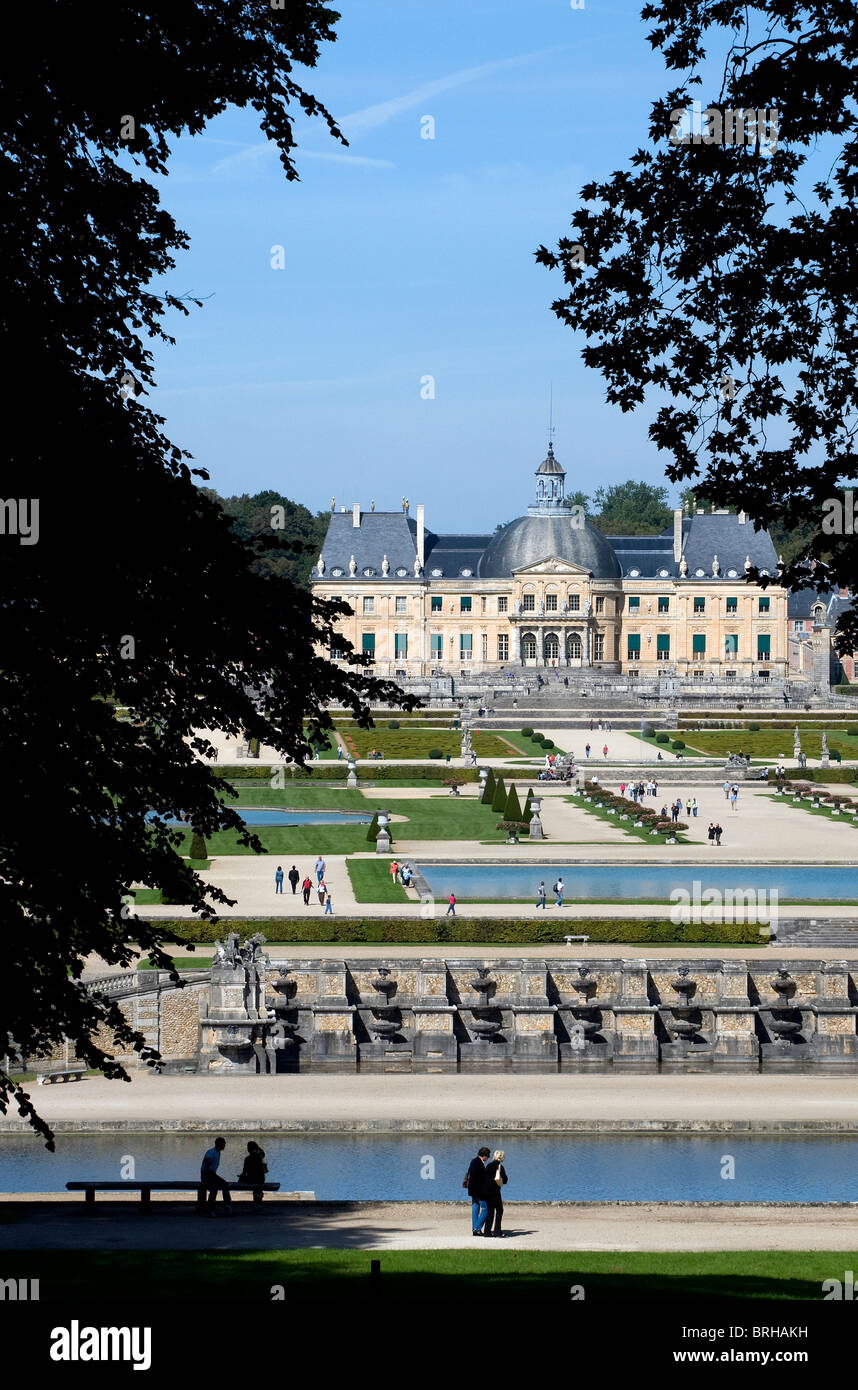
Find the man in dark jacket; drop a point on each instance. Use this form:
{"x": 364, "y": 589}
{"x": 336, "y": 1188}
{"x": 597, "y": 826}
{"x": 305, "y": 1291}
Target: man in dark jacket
{"x": 476, "y": 1182}
{"x": 294, "y": 877}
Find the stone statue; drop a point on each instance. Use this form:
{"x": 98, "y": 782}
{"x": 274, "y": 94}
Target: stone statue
{"x": 683, "y": 567}
{"x": 747, "y": 563}
{"x": 320, "y": 566}
{"x": 541, "y": 608}
{"x": 372, "y": 505}
{"x": 825, "y": 750}
{"x": 418, "y": 568}
{"x": 716, "y": 568}
{"x": 586, "y": 607}
{"x": 518, "y": 606}
{"x": 333, "y": 504}
{"x": 796, "y": 744}
{"x": 352, "y": 566}
{"x": 385, "y": 566}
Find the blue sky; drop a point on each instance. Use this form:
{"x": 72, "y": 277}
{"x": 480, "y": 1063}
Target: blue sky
{"x": 406, "y": 257}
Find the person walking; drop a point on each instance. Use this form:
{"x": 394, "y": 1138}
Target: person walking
{"x": 558, "y": 888}
{"x": 320, "y": 869}
{"x": 475, "y": 1182}
{"x": 734, "y": 796}
{"x": 329, "y": 906}
{"x": 694, "y": 805}
{"x": 322, "y": 890}
{"x": 688, "y": 807}
{"x": 294, "y": 878}
{"x": 711, "y": 833}
{"x": 306, "y": 890}
{"x": 718, "y": 833}
{"x": 451, "y": 912}
{"x": 212, "y": 1182}
{"x": 278, "y": 880}
{"x": 605, "y": 751}
{"x": 540, "y": 896}
{"x": 496, "y": 1180}
{"x": 587, "y": 749}
{"x": 726, "y": 790}
{"x": 622, "y": 789}
{"x": 394, "y": 870}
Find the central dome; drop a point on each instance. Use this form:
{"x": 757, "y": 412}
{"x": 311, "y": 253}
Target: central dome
{"x": 530, "y": 539}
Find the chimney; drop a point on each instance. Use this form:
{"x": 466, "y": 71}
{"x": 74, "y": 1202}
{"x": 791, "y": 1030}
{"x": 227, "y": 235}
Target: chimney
{"x": 677, "y": 534}
{"x": 421, "y": 542}
{"x": 356, "y": 514}
{"x": 743, "y": 517}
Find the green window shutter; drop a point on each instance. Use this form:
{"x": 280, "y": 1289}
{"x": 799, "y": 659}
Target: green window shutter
{"x": 662, "y": 642}
{"x": 698, "y": 643}
{"x": 466, "y": 642}
{"x": 634, "y": 603}
{"x": 664, "y": 605}
{"x": 732, "y": 605}
{"x": 634, "y": 640}
{"x": 368, "y": 642}
{"x": 464, "y": 605}
{"x": 764, "y": 644}
{"x": 400, "y": 643}
{"x": 436, "y": 643}
{"x": 731, "y": 642}
{"x": 437, "y": 603}
{"x": 764, "y": 605}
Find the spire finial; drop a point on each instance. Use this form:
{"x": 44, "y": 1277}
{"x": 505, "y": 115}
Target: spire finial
{"x": 551, "y": 419}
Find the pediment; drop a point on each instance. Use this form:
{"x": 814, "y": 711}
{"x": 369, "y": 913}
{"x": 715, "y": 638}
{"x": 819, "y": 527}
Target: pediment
{"x": 553, "y": 565}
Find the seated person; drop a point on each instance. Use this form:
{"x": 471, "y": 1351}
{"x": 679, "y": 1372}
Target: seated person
{"x": 255, "y": 1168}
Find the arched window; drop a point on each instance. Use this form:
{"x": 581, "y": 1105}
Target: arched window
{"x": 528, "y": 647}
{"x": 573, "y": 646}
{"x": 552, "y": 647}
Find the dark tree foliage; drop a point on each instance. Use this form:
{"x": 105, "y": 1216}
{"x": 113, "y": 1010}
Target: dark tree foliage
{"x": 288, "y": 537}
{"x": 137, "y": 591}
{"x": 721, "y": 278}
{"x": 632, "y": 509}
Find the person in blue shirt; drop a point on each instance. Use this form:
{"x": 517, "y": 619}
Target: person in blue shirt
{"x": 211, "y": 1181}
{"x": 278, "y": 880}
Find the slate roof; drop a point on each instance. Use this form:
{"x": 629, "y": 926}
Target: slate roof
{"x": 380, "y": 533}
{"x": 801, "y": 601}
{"x": 725, "y": 536}
{"x": 452, "y": 554}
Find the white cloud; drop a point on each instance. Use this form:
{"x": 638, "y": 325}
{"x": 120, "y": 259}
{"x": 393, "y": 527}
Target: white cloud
{"x": 371, "y": 117}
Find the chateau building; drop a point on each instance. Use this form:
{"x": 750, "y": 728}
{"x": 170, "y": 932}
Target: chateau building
{"x": 549, "y": 590}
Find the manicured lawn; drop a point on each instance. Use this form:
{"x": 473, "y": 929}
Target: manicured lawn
{"x": 628, "y": 827}
{"x": 768, "y": 743}
{"x": 300, "y": 796}
{"x": 372, "y": 883}
{"x": 458, "y": 1277}
{"x": 438, "y": 816}
{"x": 526, "y": 745}
{"x": 418, "y": 742}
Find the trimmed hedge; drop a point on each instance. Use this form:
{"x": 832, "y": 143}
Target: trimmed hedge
{"x": 511, "y": 931}
{"x": 526, "y": 733}
{"x": 338, "y": 771}
{"x": 662, "y": 737}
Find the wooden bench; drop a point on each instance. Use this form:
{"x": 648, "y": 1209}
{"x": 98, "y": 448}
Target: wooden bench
{"x": 147, "y": 1188}
{"x": 46, "y": 1077}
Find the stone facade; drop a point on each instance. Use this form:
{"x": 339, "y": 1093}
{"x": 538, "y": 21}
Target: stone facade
{"x": 549, "y": 590}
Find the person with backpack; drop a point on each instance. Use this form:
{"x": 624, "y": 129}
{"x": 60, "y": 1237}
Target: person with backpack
{"x": 558, "y": 888}
{"x": 496, "y": 1180}
{"x": 475, "y": 1182}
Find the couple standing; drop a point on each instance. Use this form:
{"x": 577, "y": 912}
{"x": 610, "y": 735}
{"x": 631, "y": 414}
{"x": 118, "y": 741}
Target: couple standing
{"x": 484, "y": 1181}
